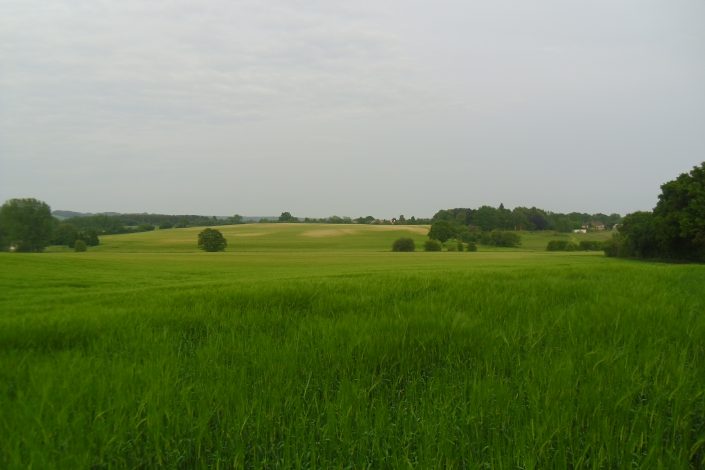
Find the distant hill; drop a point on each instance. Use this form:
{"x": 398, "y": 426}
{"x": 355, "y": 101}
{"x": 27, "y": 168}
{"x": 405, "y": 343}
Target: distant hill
{"x": 61, "y": 215}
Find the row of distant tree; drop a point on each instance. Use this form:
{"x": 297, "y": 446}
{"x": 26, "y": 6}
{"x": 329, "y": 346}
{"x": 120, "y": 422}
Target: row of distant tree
{"x": 487, "y": 218}
{"x": 286, "y": 217}
{"x": 127, "y": 223}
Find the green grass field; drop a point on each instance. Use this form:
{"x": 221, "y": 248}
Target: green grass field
{"x": 315, "y": 346}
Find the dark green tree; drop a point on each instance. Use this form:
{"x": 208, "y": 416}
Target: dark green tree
{"x": 211, "y": 240}
{"x": 486, "y": 217}
{"x": 679, "y": 216}
{"x": 638, "y": 235}
{"x": 90, "y": 237}
{"x": 287, "y": 217}
{"x": 64, "y": 234}
{"x": 26, "y": 224}
{"x": 442, "y": 231}
{"x": 79, "y": 246}
{"x": 403, "y": 244}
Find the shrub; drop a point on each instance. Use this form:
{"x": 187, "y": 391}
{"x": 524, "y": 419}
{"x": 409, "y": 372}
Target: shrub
{"x": 471, "y": 246}
{"x": 561, "y": 245}
{"x": 614, "y": 246}
{"x": 79, "y": 246}
{"x": 89, "y": 236}
{"x": 506, "y": 239}
{"x": 432, "y": 245}
{"x": 460, "y": 246}
{"x": 451, "y": 246}
{"x": 403, "y": 244}
{"x": 591, "y": 245}
{"x": 211, "y": 240}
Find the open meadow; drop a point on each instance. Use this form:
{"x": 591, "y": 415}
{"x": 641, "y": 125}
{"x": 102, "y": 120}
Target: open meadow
{"x": 316, "y": 346}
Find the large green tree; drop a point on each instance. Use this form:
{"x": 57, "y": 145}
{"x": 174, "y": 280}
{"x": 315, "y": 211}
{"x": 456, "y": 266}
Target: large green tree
{"x": 26, "y": 224}
{"x": 64, "y": 234}
{"x": 676, "y": 227}
{"x": 680, "y": 216}
{"x": 442, "y": 231}
{"x": 212, "y": 240}
{"x": 637, "y": 236}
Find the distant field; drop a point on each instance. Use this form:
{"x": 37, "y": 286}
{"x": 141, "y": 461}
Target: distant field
{"x": 315, "y": 346}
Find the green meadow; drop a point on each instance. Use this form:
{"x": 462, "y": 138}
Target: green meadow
{"x": 315, "y": 346}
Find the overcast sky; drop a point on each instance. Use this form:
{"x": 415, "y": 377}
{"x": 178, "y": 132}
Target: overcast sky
{"x": 322, "y": 107}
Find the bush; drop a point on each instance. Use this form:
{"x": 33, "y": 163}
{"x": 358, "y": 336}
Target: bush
{"x": 460, "y": 246}
{"x": 591, "y": 245}
{"x": 79, "y": 246}
{"x": 614, "y": 246}
{"x": 432, "y": 245}
{"x": 451, "y": 246}
{"x": 506, "y": 239}
{"x": 403, "y": 244}
{"x": 471, "y": 246}
{"x": 89, "y": 236}
{"x": 561, "y": 245}
{"x": 211, "y": 240}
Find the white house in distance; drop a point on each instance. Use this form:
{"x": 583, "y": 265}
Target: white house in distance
{"x": 591, "y": 227}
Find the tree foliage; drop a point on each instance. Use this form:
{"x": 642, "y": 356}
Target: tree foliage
{"x": 403, "y": 244}
{"x": 129, "y": 223}
{"x": 679, "y": 216}
{"x": 26, "y": 224}
{"x": 562, "y": 245}
{"x": 442, "y": 230}
{"x": 211, "y": 240}
{"x": 676, "y": 227}
{"x": 286, "y": 217}
{"x": 432, "y": 245}
{"x": 504, "y": 239}
{"x": 64, "y": 234}
{"x": 487, "y": 218}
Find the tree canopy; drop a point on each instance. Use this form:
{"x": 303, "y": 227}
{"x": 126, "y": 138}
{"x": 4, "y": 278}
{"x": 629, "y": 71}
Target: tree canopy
{"x": 26, "y": 225}
{"x": 211, "y": 240}
{"x": 676, "y": 227}
{"x": 287, "y": 217}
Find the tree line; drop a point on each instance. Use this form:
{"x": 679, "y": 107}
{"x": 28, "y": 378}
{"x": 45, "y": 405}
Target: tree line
{"x": 109, "y": 224}
{"x": 286, "y": 217}
{"x": 488, "y": 218}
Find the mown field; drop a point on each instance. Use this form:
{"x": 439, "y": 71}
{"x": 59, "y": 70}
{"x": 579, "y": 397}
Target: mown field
{"x": 297, "y": 348}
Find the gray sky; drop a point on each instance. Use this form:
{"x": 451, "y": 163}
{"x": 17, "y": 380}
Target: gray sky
{"x": 324, "y": 107}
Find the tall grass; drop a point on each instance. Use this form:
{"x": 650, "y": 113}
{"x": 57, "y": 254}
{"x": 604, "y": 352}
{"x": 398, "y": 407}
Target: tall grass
{"x": 424, "y": 359}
